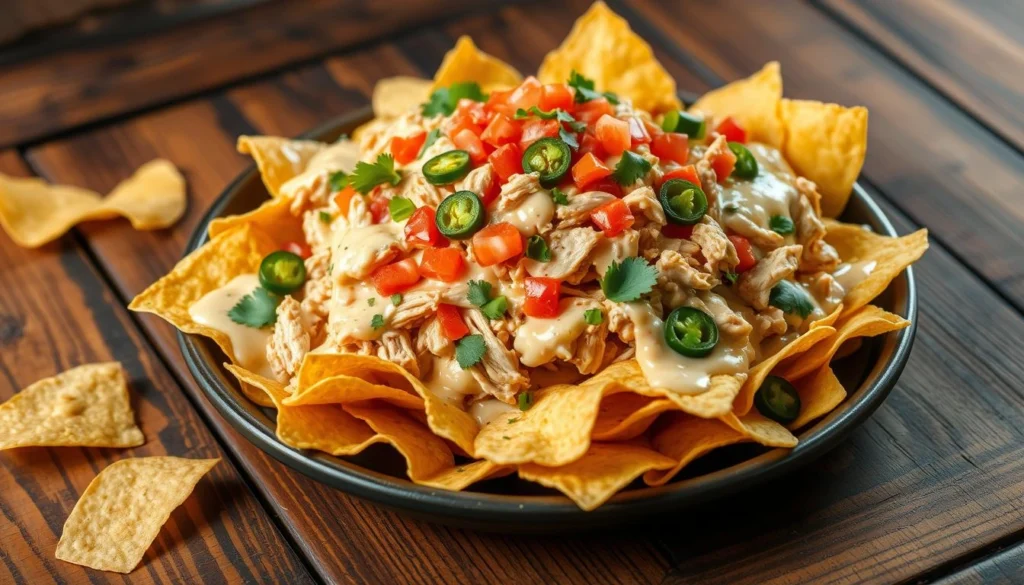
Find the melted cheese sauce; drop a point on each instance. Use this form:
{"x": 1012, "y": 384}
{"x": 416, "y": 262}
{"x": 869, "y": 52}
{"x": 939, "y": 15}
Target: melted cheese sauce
{"x": 664, "y": 368}
{"x": 490, "y": 409}
{"x": 617, "y": 249}
{"x": 340, "y": 156}
{"x": 539, "y": 341}
{"x": 770, "y": 193}
{"x": 350, "y": 312}
{"x": 850, "y": 274}
{"x": 355, "y": 251}
{"x": 450, "y": 382}
{"x": 247, "y": 343}
{"x": 532, "y": 214}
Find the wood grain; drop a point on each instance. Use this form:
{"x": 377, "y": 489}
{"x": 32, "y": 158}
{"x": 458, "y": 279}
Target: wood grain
{"x": 971, "y": 54}
{"x": 57, "y": 312}
{"x": 929, "y": 478}
{"x": 1005, "y": 567}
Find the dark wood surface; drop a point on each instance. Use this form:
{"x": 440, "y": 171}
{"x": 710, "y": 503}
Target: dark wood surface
{"x": 928, "y": 490}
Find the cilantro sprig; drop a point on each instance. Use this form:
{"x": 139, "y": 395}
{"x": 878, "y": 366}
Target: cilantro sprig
{"x": 628, "y": 280}
{"x": 593, "y": 316}
{"x": 585, "y": 89}
{"x": 470, "y": 350}
{"x": 480, "y": 295}
{"x": 568, "y": 125}
{"x": 432, "y": 137}
{"x": 366, "y": 175}
{"x": 537, "y": 249}
{"x": 559, "y": 196}
{"x": 791, "y": 299}
{"x": 401, "y": 208}
{"x": 337, "y": 180}
{"x": 256, "y": 309}
{"x": 444, "y": 100}
{"x": 631, "y": 168}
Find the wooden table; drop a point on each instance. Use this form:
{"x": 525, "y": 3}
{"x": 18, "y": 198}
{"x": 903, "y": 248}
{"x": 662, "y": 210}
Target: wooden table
{"x": 930, "y": 489}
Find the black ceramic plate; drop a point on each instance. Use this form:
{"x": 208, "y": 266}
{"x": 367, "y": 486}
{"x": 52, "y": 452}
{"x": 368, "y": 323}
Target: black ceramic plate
{"x": 509, "y": 504}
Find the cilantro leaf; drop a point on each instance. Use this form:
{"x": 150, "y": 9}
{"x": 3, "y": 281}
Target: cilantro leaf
{"x": 479, "y": 292}
{"x": 569, "y": 138}
{"x": 495, "y": 308}
{"x": 791, "y": 298}
{"x": 445, "y": 99}
{"x": 256, "y": 309}
{"x": 377, "y": 321}
{"x": 396, "y": 299}
{"x": 627, "y": 280}
{"x": 537, "y": 249}
{"x": 337, "y": 180}
{"x": 781, "y": 225}
{"x": 535, "y": 111}
{"x": 631, "y": 168}
{"x": 470, "y": 350}
{"x": 585, "y": 89}
{"x": 525, "y": 401}
{"x": 367, "y": 175}
{"x": 731, "y": 277}
{"x": 564, "y": 118}
{"x": 325, "y": 217}
{"x": 400, "y": 208}
{"x": 593, "y": 316}
{"x": 559, "y": 196}
{"x": 431, "y": 139}
{"x": 371, "y": 301}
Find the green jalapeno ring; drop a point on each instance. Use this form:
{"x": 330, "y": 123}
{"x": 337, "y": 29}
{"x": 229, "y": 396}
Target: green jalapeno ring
{"x": 684, "y": 123}
{"x": 684, "y": 202}
{"x": 778, "y": 400}
{"x": 447, "y": 167}
{"x": 550, "y": 158}
{"x": 282, "y": 272}
{"x": 746, "y": 164}
{"x": 460, "y": 215}
{"x": 691, "y": 332}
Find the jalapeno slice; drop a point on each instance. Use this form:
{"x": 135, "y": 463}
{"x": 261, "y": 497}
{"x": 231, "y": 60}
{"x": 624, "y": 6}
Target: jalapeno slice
{"x": 282, "y": 272}
{"x": 550, "y": 157}
{"x": 460, "y": 215}
{"x": 680, "y": 121}
{"x": 691, "y": 332}
{"x": 447, "y": 167}
{"x": 777, "y": 399}
{"x": 684, "y": 202}
{"x": 746, "y": 164}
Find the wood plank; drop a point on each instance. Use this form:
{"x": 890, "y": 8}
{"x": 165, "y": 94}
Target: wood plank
{"x": 1006, "y": 567}
{"x": 44, "y": 96}
{"x": 932, "y": 476}
{"x": 56, "y": 313}
{"x": 970, "y": 53}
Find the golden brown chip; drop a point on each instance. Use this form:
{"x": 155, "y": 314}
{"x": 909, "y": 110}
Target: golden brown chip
{"x": 262, "y": 391}
{"x": 426, "y": 454}
{"x": 602, "y": 47}
{"x": 153, "y": 198}
{"x": 625, "y": 415}
{"x": 123, "y": 509}
{"x": 825, "y": 143}
{"x": 394, "y": 96}
{"x": 605, "y": 469}
{"x": 465, "y": 62}
{"x": 87, "y": 406}
{"x": 683, "y": 438}
{"x": 753, "y": 102}
{"x": 273, "y": 217}
{"x": 344, "y": 389}
{"x": 278, "y": 159}
{"x": 760, "y": 429}
{"x": 741, "y": 405}
{"x": 819, "y": 395}
{"x": 462, "y": 476}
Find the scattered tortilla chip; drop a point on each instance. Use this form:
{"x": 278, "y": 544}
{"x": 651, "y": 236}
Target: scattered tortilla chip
{"x": 683, "y": 438}
{"x": 426, "y": 454}
{"x": 625, "y": 415}
{"x": 465, "y": 62}
{"x": 602, "y": 47}
{"x": 825, "y": 143}
{"x": 33, "y": 212}
{"x": 753, "y": 102}
{"x": 819, "y": 395}
{"x": 123, "y": 509}
{"x": 605, "y": 469}
{"x": 278, "y": 159}
{"x": 273, "y": 217}
{"x": 462, "y": 476}
{"x": 761, "y": 430}
{"x": 889, "y": 255}
{"x": 87, "y": 406}
{"x": 868, "y": 321}
{"x": 344, "y": 389}
{"x": 394, "y": 96}
{"x": 745, "y": 399}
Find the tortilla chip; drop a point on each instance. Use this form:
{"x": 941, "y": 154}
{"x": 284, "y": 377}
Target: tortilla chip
{"x": 123, "y": 509}
{"x": 232, "y": 253}
{"x": 262, "y": 391}
{"x": 278, "y": 159}
{"x": 625, "y": 415}
{"x": 87, "y": 406}
{"x": 741, "y": 405}
{"x": 761, "y": 430}
{"x": 393, "y": 96}
{"x": 34, "y": 212}
{"x": 460, "y": 477}
{"x": 605, "y": 469}
{"x": 890, "y": 255}
{"x": 465, "y": 62}
{"x": 602, "y": 47}
{"x": 683, "y": 438}
{"x": 344, "y": 389}
{"x": 273, "y": 217}
{"x": 426, "y": 454}
{"x": 867, "y": 321}
{"x": 753, "y": 102}
{"x": 819, "y": 395}
{"x": 825, "y": 143}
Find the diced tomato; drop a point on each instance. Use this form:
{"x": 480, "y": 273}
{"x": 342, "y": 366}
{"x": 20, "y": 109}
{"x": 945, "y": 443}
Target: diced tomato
{"x": 421, "y": 230}
{"x": 682, "y": 232}
{"x": 732, "y": 131}
{"x": 534, "y": 129}
{"x": 613, "y": 134}
{"x": 590, "y": 112}
{"x": 527, "y": 95}
{"x": 498, "y": 102}
{"x": 444, "y": 264}
{"x": 474, "y": 110}
{"x": 745, "y": 253}
{"x": 395, "y": 277}
{"x": 542, "y": 295}
{"x": 606, "y": 185}
{"x": 452, "y": 324}
{"x": 671, "y": 146}
{"x": 379, "y": 207}
{"x": 638, "y": 132}
{"x": 493, "y": 190}
{"x": 497, "y": 243}
{"x": 612, "y": 218}
{"x": 589, "y": 169}
{"x": 343, "y": 198}
{"x": 687, "y": 173}
{"x": 405, "y": 149}
{"x": 556, "y": 95}
{"x": 506, "y": 161}
{"x": 723, "y": 163}
{"x": 590, "y": 143}
{"x": 501, "y": 131}
{"x": 459, "y": 122}
{"x": 471, "y": 143}
{"x": 300, "y": 249}
{"x": 653, "y": 129}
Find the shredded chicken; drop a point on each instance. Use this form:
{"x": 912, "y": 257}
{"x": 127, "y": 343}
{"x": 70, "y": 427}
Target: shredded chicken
{"x": 769, "y": 322}
{"x": 577, "y": 211}
{"x": 290, "y": 341}
{"x": 719, "y": 253}
{"x": 316, "y": 230}
{"x": 763, "y": 238}
{"x": 414, "y": 187}
{"x": 396, "y": 346}
{"x": 619, "y": 322}
{"x": 570, "y": 252}
{"x": 516, "y": 190}
{"x": 498, "y": 372}
{"x": 709, "y": 181}
{"x": 480, "y": 180}
{"x": 415, "y": 307}
{"x": 755, "y": 285}
{"x": 589, "y": 350}
{"x": 645, "y": 207}
{"x": 316, "y": 293}
{"x": 810, "y": 230}
{"x": 729, "y": 322}
{"x": 682, "y": 271}
{"x": 431, "y": 338}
